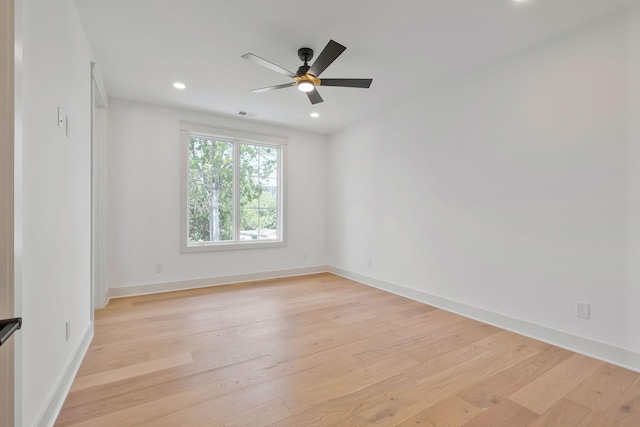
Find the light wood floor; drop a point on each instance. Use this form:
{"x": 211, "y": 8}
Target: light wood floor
{"x": 325, "y": 351}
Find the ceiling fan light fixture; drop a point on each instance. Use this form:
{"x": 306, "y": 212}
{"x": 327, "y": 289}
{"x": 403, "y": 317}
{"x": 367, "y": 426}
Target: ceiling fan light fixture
{"x": 307, "y": 78}
{"x": 306, "y": 86}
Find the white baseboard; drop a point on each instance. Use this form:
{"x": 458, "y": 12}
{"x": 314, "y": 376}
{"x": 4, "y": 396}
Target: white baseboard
{"x": 606, "y": 352}
{"x": 51, "y": 411}
{"x": 154, "y": 288}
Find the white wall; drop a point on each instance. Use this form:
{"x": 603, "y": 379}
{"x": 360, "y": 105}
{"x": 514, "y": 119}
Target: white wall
{"x": 507, "y": 190}
{"x": 144, "y": 200}
{"x": 632, "y": 291}
{"x": 56, "y": 200}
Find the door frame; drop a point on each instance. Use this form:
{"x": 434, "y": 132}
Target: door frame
{"x": 98, "y": 192}
{"x": 11, "y": 204}
{"x": 7, "y": 231}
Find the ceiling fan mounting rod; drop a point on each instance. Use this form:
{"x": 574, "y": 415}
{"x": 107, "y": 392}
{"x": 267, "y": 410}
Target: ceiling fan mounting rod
{"x": 305, "y": 54}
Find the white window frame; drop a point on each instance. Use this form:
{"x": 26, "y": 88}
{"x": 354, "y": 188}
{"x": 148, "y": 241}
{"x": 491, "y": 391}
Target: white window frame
{"x": 237, "y": 136}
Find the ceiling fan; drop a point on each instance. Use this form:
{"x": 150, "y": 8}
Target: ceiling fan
{"x": 307, "y": 77}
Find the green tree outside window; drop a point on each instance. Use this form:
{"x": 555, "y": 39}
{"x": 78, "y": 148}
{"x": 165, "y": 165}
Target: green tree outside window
{"x": 211, "y": 190}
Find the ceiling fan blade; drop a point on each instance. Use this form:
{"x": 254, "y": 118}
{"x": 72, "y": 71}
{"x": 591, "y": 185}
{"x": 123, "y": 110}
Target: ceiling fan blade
{"x": 314, "y": 97}
{"x": 266, "y": 89}
{"x": 363, "y": 83}
{"x": 270, "y": 65}
{"x": 329, "y": 54}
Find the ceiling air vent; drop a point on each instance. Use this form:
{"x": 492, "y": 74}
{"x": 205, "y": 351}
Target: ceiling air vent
{"x": 247, "y": 114}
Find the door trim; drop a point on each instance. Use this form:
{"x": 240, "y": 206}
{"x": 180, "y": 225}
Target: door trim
{"x": 98, "y": 193}
{"x": 7, "y": 105}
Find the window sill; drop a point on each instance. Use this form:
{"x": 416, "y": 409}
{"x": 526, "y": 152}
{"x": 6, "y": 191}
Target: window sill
{"x": 212, "y": 247}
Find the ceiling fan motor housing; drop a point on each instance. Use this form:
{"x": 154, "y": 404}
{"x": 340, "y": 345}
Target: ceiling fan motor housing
{"x": 302, "y": 71}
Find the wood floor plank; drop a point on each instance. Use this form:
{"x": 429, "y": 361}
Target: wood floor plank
{"x": 146, "y": 381}
{"x": 494, "y": 389}
{"x": 452, "y": 411}
{"x": 354, "y": 318}
{"x": 505, "y": 414}
{"x": 95, "y": 361}
{"x": 446, "y": 340}
{"x": 434, "y": 386}
{"x": 504, "y": 347}
{"x": 625, "y": 411}
{"x": 212, "y": 412}
{"x": 602, "y": 388}
{"x": 128, "y": 401}
{"x": 128, "y": 372}
{"x": 563, "y": 414}
{"x": 545, "y": 391}
{"x": 336, "y": 411}
{"x": 322, "y": 350}
{"x": 231, "y": 391}
{"x": 269, "y": 412}
{"x": 389, "y": 342}
{"x": 436, "y": 320}
{"x": 360, "y": 376}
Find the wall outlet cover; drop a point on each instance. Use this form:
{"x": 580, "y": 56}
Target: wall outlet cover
{"x": 582, "y": 310}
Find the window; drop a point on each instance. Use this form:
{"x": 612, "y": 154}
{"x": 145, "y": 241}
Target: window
{"x": 233, "y": 189}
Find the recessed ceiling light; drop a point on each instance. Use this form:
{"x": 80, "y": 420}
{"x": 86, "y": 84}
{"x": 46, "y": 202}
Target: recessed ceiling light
{"x": 315, "y": 115}
{"x": 179, "y": 85}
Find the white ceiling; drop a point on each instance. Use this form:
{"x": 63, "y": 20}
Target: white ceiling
{"x": 406, "y": 46}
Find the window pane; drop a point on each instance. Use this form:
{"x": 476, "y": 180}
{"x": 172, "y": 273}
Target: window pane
{"x": 210, "y": 190}
{"x": 249, "y": 160}
{"x": 270, "y": 160}
{"x": 268, "y": 224}
{"x": 250, "y": 191}
{"x": 249, "y": 224}
{"x": 259, "y": 192}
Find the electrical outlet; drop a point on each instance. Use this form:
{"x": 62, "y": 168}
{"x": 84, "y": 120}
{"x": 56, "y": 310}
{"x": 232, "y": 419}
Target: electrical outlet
{"x": 369, "y": 264}
{"x": 158, "y": 268}
{"x": 67, "y": 327}
{"x": 304, "y": 255}
{"x": 582, "y": 310}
